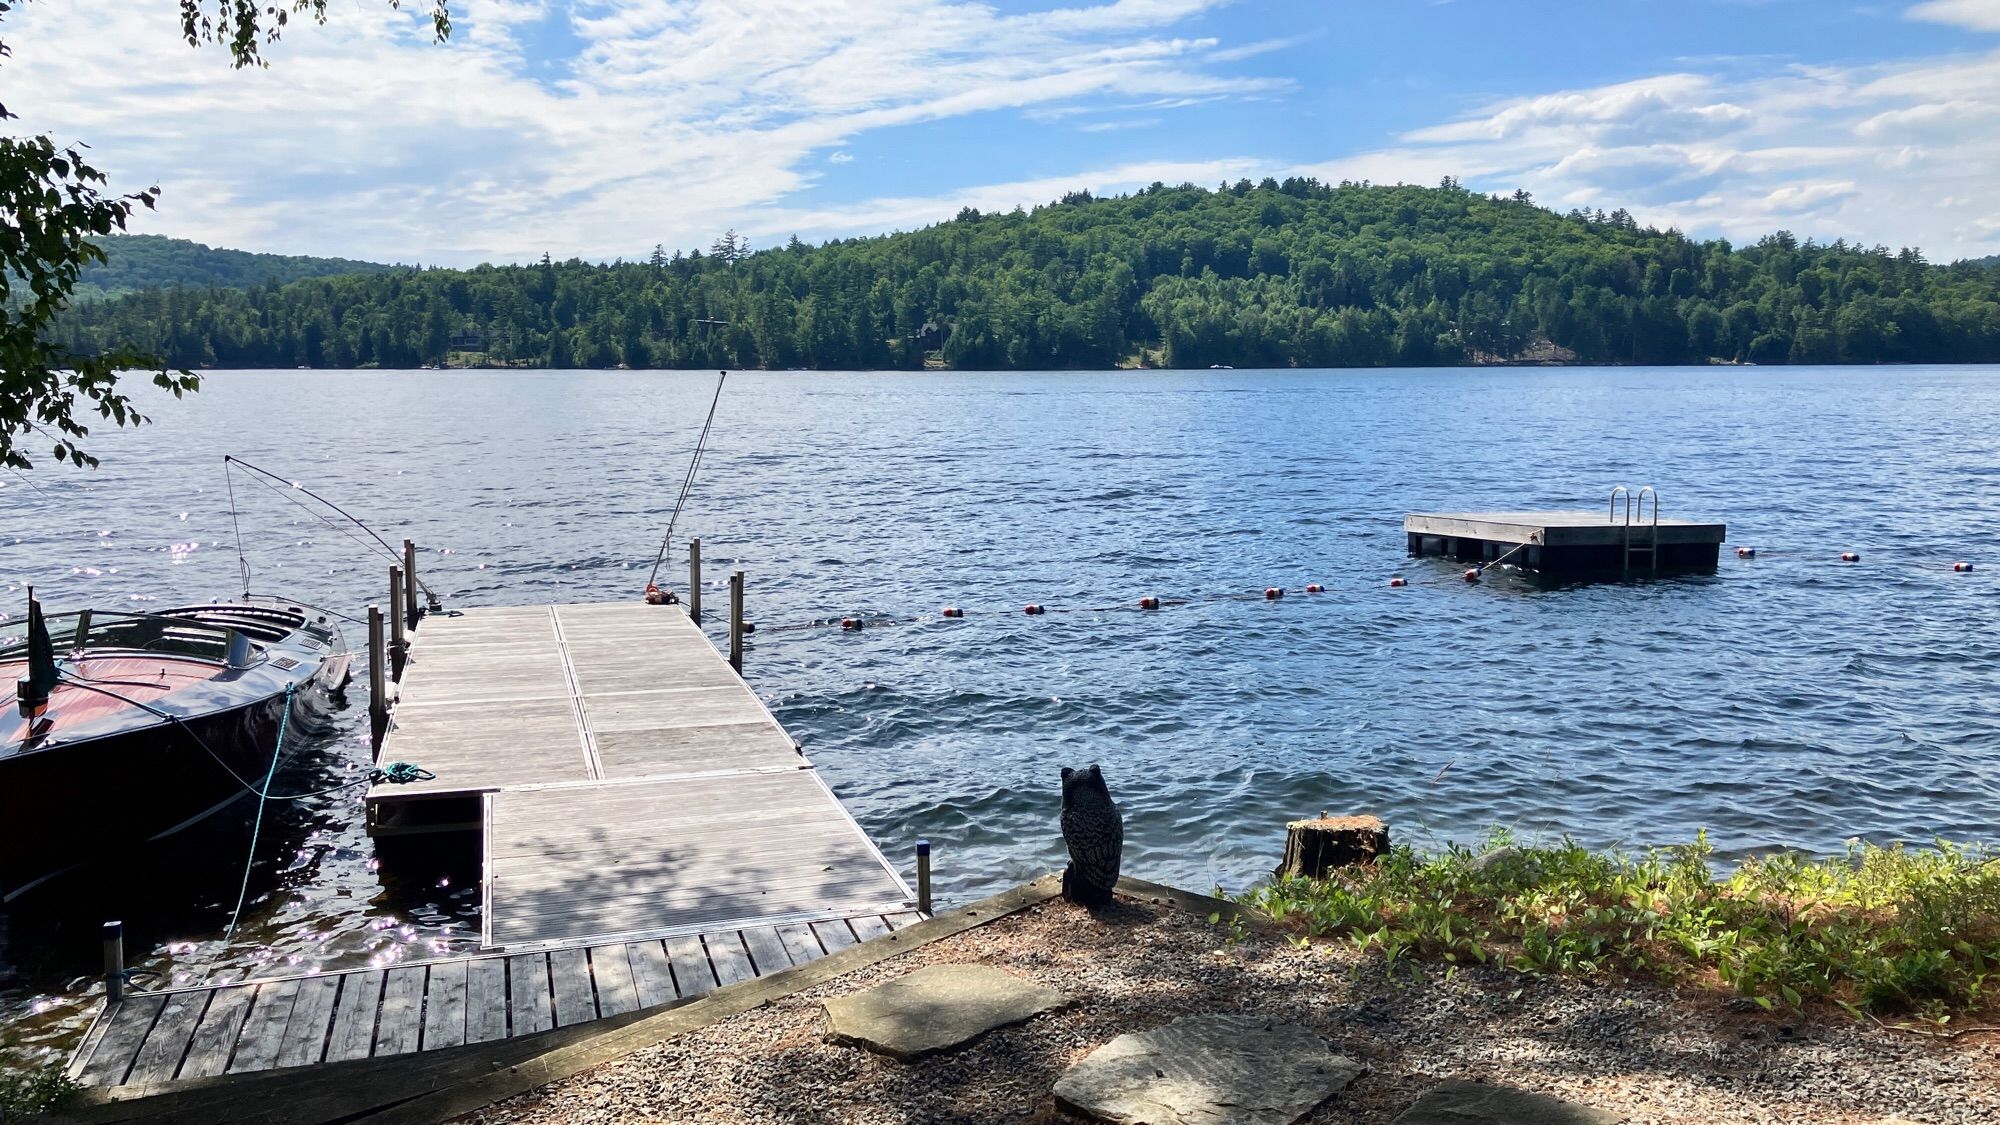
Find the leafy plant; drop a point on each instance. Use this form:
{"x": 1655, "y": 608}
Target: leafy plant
{"x": 1875, "y": 930}
{"x": 28, "y": 1094}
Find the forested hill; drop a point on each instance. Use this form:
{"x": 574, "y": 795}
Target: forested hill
{"x": 1251, "y": 275}
{"x": 148, "y": 261}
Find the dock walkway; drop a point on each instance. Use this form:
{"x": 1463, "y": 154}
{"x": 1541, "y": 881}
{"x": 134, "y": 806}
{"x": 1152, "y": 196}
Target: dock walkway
{"x": 647, "y": 830}
{"x": 625, "y": 780}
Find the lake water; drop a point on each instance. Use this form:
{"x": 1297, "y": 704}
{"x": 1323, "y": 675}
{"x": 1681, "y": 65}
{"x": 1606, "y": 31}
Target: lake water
{"x": 1786, "y": 701}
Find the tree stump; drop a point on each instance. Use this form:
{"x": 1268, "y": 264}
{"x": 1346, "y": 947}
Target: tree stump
{"x": 1315, "y": 847}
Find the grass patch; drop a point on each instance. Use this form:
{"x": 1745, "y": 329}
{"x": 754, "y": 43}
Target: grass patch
{"x": 29, "y": 1094}
{"x": 1877, "y": 931}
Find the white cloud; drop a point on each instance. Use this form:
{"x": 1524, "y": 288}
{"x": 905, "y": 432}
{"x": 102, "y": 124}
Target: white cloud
{"x": 1901, "y": 153}
{"x": 675, "y": 118}
{"x": 1979, "y": 15}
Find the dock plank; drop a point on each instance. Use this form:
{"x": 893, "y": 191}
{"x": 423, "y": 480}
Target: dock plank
{"x": 617, "y": 991}
{"x": 569, "y": 974}
{"x": 160, "y": 1056}
{"x": 215, "y": 1037}
{"x": 727, "y": 955}
{"x": 354, "y": 1018}
{"x": 693, "y": 975}
{"x": 444, "y": 1005}
{"x": 486, "y": 1000}
{"x": 112, "y": 1056}
{"x": 400, "y": 1028}
{"x": 767, "y": 950}
{"x": 868, "y": 926}
{"x": 651, "y": 972}
{"x": 311, "y": 1021}
{"x": 528, "y": 1002}
{"x": 834, "y": 935}
{"x": 903, "y": 918}
{"x": 801, "y": 943}
{"x": 263, "y": 1034}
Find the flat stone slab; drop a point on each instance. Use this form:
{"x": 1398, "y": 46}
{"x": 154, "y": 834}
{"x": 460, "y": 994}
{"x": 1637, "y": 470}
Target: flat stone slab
{"x": 1476, "y": 1103}
{"x": 935, "y": 1008}
{"x": 1215, "y": 1069}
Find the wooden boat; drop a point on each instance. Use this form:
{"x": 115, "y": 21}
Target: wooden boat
{"x": 130, "y": 727}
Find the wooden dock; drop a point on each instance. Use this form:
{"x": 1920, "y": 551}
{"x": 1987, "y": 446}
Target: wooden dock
{"x": 647, "y": 830}
{"x": 428, "y": 1006}
{"x": 624, "y": 780}
{"x": 1568, "y": 542}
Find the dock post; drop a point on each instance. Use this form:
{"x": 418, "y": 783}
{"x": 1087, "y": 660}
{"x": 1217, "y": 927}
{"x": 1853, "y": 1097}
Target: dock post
{"x": 378, "y": 690}
{"x": 412, "y": 609}
{"x": 924, "y": 877}
{"x": 736, "y": 622}
{"x": 398, "y": 647}
{"x": 114, "y": 962}
{"x": 694, "y": 580}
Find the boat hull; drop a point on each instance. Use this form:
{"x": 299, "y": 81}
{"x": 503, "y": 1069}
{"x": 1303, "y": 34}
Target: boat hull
{"x": 116, "y": 785}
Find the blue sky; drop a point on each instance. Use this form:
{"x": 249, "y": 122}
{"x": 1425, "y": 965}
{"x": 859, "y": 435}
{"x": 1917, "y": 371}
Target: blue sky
{"x": 598, "y": 128}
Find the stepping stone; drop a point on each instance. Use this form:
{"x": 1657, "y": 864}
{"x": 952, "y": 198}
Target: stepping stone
{"x": 1476, "y": 1103}
{"x": 934, "y": 1009}
{"x": 1216, "y": 1069}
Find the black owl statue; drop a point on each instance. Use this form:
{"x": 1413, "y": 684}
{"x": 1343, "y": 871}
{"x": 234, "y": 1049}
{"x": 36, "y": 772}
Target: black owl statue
{"x": 1095, "y": 834}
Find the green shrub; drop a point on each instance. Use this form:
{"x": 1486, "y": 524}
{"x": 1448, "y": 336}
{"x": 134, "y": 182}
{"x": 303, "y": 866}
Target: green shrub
{"x": 29, "y": 1093}
{"x": 1877, "y": 930}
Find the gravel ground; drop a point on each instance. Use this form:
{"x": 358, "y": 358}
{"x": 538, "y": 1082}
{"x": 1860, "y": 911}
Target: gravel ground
{"x": 1635, "y": 1049}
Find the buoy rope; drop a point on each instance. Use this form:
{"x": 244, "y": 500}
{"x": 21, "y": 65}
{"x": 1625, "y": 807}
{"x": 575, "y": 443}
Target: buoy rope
{"x": 864, "y": 622}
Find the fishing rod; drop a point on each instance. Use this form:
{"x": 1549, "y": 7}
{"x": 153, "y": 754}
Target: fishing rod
{"x": 687, "y": 482}
{"x": 294, "y": 486}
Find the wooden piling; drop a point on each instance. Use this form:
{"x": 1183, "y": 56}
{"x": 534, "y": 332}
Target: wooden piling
{"x": 114, "y": 962}
{"x": 378, "y": 688}
{"x": 694, "y": 580}
{"x": 736, "y": 622}
{"x": 398, "y": 647}
{"x": 412, "y": 608}
{"x": 924, "y": 877}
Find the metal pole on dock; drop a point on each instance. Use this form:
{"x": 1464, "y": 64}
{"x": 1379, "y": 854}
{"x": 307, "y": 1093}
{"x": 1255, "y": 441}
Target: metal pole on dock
{"x": 398, "y": 647}
{"x": 114, "y": 962}
{"x": 694, "y": 580}
{"x": 924, "y": 876}
{"x": 411, "y": 607}
{"x": 736, "y": 622}
{"x": 378, "y": 690}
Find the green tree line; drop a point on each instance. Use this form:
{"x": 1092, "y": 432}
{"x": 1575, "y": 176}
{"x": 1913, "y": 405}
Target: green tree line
{"x": 133, "y": 262}
{"x": 1292, "y": 273}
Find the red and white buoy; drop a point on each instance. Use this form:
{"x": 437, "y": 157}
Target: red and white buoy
{"x": 1273, "y": 593}
{"x": 1315, "y": 588}
{"x": 1961, "y": 567}
{"x": 1850, "y": 556}
{"x": 1149, "y": 602}
{"x": 953, "y": 611}
{"x": 1746, "y": 552}
{"x": 1034, "y": 609}
{"x": 1471, "y": 574}
{"x": 1399, "y": 581}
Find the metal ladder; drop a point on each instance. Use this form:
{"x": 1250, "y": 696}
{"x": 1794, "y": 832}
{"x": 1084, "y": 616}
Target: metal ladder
{"x": 1651, "y": 547}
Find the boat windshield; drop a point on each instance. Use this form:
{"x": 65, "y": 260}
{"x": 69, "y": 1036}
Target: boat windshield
{"x": 101, "y": 631}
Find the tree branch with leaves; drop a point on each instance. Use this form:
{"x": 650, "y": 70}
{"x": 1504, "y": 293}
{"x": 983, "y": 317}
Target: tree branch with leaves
{"x": 52, "y": 203}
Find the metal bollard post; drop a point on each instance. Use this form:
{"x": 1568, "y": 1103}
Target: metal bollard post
{"x": 378, "y": 690}
{"x": 694, "y": 580}
{"x": 399, "y": 647}
{"x": 736, "y": 622}
{"x": 924, "y": 876}
{"x": 411, "y": 608}
{"x": 114, "y": 962}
